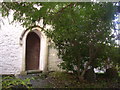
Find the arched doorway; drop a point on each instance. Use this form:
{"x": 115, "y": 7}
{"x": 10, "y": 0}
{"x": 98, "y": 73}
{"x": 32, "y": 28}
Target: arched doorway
{"x": 32, "y": 51}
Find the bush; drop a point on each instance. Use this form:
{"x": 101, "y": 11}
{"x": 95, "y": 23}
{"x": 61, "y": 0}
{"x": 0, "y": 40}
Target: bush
{"x": 90, "y": 75}
{"x": 111, "y": 73}
{"x": 12, "y": 82}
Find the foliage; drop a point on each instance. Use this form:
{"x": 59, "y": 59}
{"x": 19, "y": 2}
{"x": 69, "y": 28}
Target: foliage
{"x": 111, "y": 57}
{"x": 12, "y": 82}
{"x": 82, "y": 34}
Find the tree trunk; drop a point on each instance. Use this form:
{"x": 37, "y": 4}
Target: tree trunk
{"x": 78, "y": 68}
{"x": 81, "y": 77}
{"x": 91, "y": 55}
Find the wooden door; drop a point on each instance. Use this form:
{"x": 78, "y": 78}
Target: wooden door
{"x": 32, "y": 51}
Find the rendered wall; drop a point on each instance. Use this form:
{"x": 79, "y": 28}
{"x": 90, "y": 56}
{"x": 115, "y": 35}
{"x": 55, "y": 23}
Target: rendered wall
{"x": 53, "y": 60}
{"x": 10, "y": 50}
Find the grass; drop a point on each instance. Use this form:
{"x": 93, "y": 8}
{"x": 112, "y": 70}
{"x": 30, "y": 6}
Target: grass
{"x": 67, "y": 80}
{"x": 62, "y": 79}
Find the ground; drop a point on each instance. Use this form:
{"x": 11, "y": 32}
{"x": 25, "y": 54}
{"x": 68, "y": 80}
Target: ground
{"x": 62, "y": 80}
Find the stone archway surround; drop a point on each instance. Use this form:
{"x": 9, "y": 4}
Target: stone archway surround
{"x": 43, "y": 49}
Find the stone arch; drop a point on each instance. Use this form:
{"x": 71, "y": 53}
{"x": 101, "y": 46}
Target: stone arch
{"x": 43, "y": 48}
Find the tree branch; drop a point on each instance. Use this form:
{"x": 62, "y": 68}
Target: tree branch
{"x": 62, "y": 9}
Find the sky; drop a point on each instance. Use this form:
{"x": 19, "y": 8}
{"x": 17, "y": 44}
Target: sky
{"x": 117, "y": 24}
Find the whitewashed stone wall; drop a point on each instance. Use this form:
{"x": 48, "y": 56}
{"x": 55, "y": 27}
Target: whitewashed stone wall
{"x": 53, "y": 60}
{"x": 10, "y": 50}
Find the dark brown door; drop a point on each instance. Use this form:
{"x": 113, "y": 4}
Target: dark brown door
{"x": 32, "y": 51}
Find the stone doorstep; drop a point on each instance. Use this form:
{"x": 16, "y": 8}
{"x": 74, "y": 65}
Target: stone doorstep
{"x": 30, "y": 72}
{"x": 33, "y": 71}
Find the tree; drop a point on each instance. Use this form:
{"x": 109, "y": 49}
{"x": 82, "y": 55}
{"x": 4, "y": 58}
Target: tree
{"x": 81, "y": 31}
